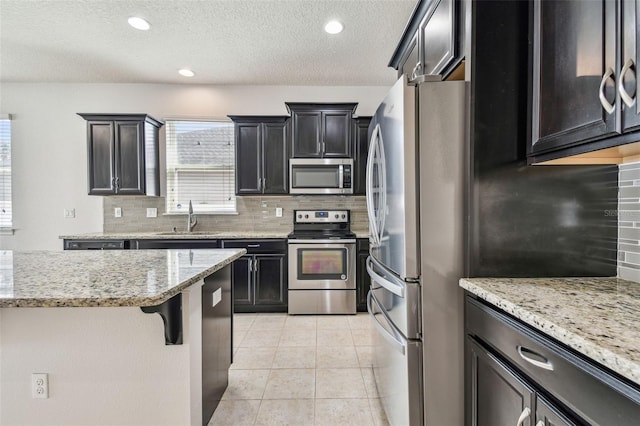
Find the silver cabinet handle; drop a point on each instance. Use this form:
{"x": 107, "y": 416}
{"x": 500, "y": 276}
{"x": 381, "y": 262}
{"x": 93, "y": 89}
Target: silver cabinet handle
{"x": 255, "y": 265}
{"x": 523, "y": 416}
{"x": 250, "y": 265}
{"x": 603, "y": 100}
{"x": 542, "y": 364}
{"x": 540, "y": 423}
{"x": 253, "y": 245}
{"x": 626, "y": 98}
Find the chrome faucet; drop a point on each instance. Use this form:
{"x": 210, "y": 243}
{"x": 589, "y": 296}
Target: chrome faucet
{"x": 192, "y": 220}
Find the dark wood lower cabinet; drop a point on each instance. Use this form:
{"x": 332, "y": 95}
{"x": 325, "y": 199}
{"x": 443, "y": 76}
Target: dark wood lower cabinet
{"x": 515, "y": 375}
{"x": 260, "y": 277}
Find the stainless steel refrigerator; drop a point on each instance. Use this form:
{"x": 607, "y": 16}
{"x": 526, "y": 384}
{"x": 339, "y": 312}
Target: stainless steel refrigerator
{"x": 415, "y": 200}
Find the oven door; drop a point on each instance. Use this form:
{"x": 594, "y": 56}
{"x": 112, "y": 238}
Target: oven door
{"x": 322, "y": 264}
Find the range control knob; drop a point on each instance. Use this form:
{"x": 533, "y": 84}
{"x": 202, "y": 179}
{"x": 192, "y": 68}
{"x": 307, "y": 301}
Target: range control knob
{"x": 306, "y": 216}
{"x": 344, "y": 216}
{"x": 299, "y": 216}
{"x": 337, "y": 216}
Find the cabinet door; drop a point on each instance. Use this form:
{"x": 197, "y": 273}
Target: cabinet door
{"x": 495, "y": 395}
{"x": 410, "y": 65}
{"x": 242, "y": 280}
{"x": 306, "y": 137}
{"x": 336, "y": 134}
{"x": 574, "y": 64}
{"x": 629, "y": 65}
{"x": 275, "y": 152}
{"x": 100, "y": 150}
{"x": 548, "y": 415}
{"x": 361, "y": 149}
{"x": 248, "y": 158}
{"x": 129, "y": 157}
{"x": 437, "y": 37}
{"x": 270, "y": 287}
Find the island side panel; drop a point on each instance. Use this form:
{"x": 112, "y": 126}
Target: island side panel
{"x": 217, "y": 310}
{"x": 106, "y": 366}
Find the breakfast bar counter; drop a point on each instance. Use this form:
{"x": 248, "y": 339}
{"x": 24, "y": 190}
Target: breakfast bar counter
{"x": 125, "y": 337}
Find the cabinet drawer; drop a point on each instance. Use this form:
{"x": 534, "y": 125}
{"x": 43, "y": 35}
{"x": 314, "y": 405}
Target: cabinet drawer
{"x": 96, "y": 244}
{"x": 258, "y": 246}
{"x": 581, "y": 385}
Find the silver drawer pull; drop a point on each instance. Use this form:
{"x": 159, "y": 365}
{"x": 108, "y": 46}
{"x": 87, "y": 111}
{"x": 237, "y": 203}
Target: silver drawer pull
{"x": 253, "y": 245}
{"x": 523, "y": 416}
{"x": 608, "y": 107}
{"x": 540, "y": 423}
{"x": 524, "y": 354}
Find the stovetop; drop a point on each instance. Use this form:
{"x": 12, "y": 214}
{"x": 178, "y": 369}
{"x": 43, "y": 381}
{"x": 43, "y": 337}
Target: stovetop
{"x": 321, "y": 224}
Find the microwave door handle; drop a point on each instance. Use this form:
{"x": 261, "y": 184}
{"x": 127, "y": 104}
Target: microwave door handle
{"x": 340, "y": 176}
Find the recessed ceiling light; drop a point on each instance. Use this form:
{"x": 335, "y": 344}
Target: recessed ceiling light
{"x": 185, "y": 72}
{"x": 139, "y": 23}
{"x": 334, "y": 27}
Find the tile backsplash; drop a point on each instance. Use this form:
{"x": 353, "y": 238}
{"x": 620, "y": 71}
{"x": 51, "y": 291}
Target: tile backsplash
{"x": 255, "y": 213}
{"x": 629, "y": 221}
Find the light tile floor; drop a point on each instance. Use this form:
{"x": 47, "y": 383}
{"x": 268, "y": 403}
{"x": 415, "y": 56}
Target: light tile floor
{"x": 301, "y": 370}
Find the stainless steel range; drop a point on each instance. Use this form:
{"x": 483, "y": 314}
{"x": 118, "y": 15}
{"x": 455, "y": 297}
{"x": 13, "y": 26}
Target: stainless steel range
{"x": 322, "y": 259}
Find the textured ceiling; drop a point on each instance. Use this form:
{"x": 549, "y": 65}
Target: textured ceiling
{"x": 271, "y": 42}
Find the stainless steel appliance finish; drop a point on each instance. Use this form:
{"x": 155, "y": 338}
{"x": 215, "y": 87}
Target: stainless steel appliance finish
{"x": 322, "y": 259}
{"x": 415, "y": 189}
{"x": 321, "y": 176}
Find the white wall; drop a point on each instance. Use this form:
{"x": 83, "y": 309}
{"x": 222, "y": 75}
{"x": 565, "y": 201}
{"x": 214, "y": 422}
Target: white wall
{"x": 49, "y": 139}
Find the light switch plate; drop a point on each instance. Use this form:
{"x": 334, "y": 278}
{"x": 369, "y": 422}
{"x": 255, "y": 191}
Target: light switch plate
{"x": 117, "y": 212}
{"x": 152, "y": 212}
{"x": 278, "y": 211}
{"x": 69, "y": 213}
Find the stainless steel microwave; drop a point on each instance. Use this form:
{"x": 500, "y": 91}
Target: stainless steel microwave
{"x": 321, "y": 176}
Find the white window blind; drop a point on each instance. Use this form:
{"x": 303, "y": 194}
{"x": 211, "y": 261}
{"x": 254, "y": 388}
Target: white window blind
{"x": 200, "y": 166}
{"x": 6, "y": 210}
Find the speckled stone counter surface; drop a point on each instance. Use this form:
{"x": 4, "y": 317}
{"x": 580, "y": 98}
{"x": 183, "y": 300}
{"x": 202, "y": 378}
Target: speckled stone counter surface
{"x": 196, "y": 235}
{"x": 104, "y": 277}
{"x": 598, "y": 317}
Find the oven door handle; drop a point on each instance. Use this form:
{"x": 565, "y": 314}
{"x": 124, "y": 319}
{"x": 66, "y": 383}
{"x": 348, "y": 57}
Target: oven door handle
{"x": 327, "y": 241}
{"x": 393, "y": 339}
{"x": 395, "y": 288}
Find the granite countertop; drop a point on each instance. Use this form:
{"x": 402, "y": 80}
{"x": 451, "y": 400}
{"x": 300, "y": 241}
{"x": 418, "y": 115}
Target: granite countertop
{"x": 598, "y": 317}
{"x": 197, "y": 235}
{"x": 91, "y": 278}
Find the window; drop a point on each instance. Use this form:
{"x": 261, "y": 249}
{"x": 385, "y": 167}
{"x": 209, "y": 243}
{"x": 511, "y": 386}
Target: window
{"x": 6, "y": 210}
{"x": 200, "y": 166}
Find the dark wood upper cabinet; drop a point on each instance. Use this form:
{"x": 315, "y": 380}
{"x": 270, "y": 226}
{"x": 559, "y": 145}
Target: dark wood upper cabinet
{"x": 432, "y": 41}
{"x": 360, "y": 152}
{"x": 321, "y": 130}
{"x": 123, "y": 156}
{"x": 584, "y": 87}
{"x": 261, "y": 154}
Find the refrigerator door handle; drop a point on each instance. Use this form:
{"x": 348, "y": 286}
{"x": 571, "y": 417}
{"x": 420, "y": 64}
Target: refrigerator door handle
{"x": 395, "y": 288}
{"x": 369, "y": 185}
{"x": 397, "y": 343}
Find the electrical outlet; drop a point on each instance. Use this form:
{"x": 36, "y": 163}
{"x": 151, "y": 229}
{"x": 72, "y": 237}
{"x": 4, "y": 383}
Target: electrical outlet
{"x": 69, "y": 213}
{"x": 278, "y": 211}
{"x": 39, "y": 385}
{"x": 117, "y": 212}
{"x": 152, "y": 212}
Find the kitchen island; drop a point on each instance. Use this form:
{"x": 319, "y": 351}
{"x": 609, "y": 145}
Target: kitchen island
{"x": 126, "y": 337}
